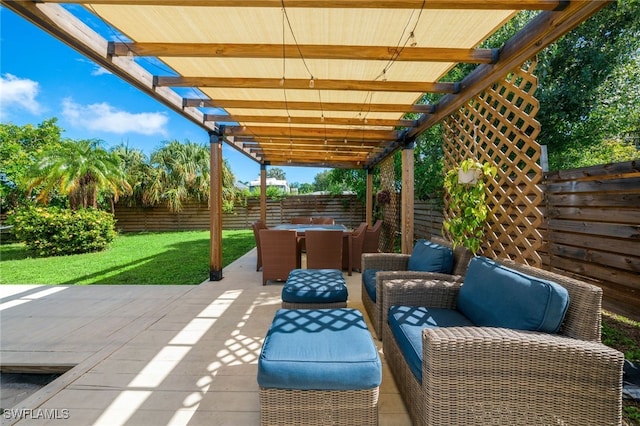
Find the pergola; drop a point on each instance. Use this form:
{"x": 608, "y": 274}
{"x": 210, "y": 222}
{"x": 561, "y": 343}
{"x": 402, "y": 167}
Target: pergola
{"x": 325, "y": 83}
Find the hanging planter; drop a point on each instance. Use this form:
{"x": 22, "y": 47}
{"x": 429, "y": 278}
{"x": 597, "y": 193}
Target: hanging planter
{"x": 470, "y": 176}
{"x": 469, "y": 171}
{"x": 467, "y": 203}
{"x": 383, "y": 197}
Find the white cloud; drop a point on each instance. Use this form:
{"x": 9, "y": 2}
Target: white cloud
{"x": 18, "y": 93}
{"x": 105, "y": 118}
{"x": 98, "y": 70}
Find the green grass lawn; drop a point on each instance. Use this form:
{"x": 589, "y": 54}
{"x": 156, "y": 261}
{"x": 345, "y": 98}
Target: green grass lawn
{"x": 141, "y": 258}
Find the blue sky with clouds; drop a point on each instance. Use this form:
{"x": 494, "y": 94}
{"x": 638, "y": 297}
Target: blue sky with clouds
{"x": 41, "y": 78}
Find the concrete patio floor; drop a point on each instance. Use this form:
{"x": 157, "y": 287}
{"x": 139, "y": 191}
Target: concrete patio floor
{"x": 151, "y": 355}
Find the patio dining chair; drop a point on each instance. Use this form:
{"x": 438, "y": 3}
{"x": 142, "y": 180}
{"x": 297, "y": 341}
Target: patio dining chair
{"x": 257, "y": 226}
{"x": 324, "y": 249}
{"x": 372, "y": 238}
{"x": 280, "y": 254}
{"x": 352, "y": 256}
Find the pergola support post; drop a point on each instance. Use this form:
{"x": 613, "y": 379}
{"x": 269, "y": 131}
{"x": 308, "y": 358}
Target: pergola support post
{"x": 263, "y": 193}
{"x": 215, "y": 202}
{"x": 369, "y": 198}
{"x": 407, "y": 197}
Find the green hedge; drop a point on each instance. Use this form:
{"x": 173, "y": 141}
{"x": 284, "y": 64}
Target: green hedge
{"x": 55, "y": 232}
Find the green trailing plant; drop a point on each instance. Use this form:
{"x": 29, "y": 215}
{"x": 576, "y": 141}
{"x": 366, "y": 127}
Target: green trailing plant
{"x": 55, "y": 232}
{"x": 468, "y": 209}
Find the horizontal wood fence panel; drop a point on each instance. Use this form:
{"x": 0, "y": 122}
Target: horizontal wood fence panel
{"x": 590, "y": 242}
{"x": 594, "y": 200}
{"x": 594, "y": 214}
{"x": 427, "y": 219}
{"x": 619, "y": 261}
{"x": 345, "y": 209}
{"x": 599, "y": 186}
{"x": 614, "y": 230}
{"x": 593, "y": 230}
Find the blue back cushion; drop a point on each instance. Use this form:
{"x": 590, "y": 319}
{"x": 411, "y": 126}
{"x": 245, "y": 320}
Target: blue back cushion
{"x": 495, "y": 296}
{"x": 428, "y": 256}
{"x": 369, "y": 281}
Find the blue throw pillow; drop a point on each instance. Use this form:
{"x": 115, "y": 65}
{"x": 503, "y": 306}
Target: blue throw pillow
{"x": 495, "y": 296}
{"x": 428, "y": 256}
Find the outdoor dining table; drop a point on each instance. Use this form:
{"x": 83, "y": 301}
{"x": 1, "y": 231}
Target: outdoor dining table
{"x": 301, "y": 228}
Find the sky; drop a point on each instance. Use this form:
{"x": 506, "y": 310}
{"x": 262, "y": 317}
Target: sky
{"x": 41, "y": 78}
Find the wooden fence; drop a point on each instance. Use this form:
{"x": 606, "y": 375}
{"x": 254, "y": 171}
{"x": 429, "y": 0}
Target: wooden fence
{"x": 593, "y": 230}
{"x": 346, "y": 209}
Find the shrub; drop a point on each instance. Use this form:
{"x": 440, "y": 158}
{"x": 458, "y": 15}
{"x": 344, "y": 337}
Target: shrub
{"x": 54, "y": 231}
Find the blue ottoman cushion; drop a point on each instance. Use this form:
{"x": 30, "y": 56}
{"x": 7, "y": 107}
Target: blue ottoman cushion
{"x": 319, "y": 349}
{"x": 407, "y": 322}
{"x": 496, "y": 296}
{"x": 369, "y": 281}
{"x": 315, "y": 286}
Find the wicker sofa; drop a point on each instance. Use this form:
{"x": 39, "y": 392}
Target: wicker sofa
{"x": 390, "y": 266}
{"x": 496, "y": 376}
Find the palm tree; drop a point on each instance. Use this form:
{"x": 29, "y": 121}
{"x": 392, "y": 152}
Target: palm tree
{"x": 80, "y": 170}
{"x": 135, "y": 164}
{"x": 181, "y": 171}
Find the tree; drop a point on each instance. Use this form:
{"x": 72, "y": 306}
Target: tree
{"x": 20, "y": 147}
{"x": 276, "y": 173}
{"x": 588, "y": 87}
{"x": 137, "y": 169}
{"x": 321, "y": 181}
{"x": 80, "y": 170}
{"x": 179, "y": 172}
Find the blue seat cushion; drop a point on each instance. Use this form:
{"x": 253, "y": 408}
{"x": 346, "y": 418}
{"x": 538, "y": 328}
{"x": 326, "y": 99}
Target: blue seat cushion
{"x": 496, "y": 296}
{"x": 319, "y": 349}
{"x": 369, "y": 281}
{"x": 407, "y": 322}
{"x": 315, "y": 286}
{"x": 428, "y": 256}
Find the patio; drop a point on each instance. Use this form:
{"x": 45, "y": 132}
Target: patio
{"x": 160, "y": 355}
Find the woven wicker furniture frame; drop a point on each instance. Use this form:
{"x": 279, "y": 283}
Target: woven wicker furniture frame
{"x": 481, "y": 375}
{"x": 317, "y": 407}
{"x": 393, "y": 266}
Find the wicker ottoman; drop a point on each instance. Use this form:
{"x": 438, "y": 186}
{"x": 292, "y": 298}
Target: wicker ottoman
{"x": 314, "y": 289}
{"x": 319, "y": 367}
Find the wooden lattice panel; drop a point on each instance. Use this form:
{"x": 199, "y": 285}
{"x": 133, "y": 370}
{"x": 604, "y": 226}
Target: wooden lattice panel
{"x": 499, "y": 126}
{"x": 389, "y": 211}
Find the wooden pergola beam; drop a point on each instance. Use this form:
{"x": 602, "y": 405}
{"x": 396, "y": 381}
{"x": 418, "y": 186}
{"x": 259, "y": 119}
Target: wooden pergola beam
{"x": 268, "y": 51}
{"x": 303, "y": 84}
{"x": 349, "y": 4}
{"x": 239, "y": 118}
{"x": 302, "y": 145}
{"x": 308, "y": 133}
{"x": 309, "y": 106}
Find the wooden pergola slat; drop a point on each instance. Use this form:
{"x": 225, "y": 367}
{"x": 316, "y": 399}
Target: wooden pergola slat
{"x": 308, "y": 120}
{"x": 371, "y": 53}
{"x": 303, "y": 84}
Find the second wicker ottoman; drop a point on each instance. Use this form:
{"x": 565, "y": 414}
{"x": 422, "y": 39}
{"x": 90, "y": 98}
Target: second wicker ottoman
{"x": 314, "y": 289}
{"x": 319, "y": 367}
